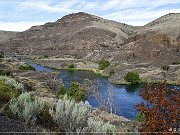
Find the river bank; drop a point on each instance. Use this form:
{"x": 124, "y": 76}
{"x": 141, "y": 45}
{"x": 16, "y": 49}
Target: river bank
{"x": 147, "y": 73}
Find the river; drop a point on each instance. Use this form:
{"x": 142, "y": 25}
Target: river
{"x": 125, "y": 97}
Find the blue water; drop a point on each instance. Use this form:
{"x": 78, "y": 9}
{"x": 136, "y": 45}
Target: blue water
{"x": 125, "y": 97}
{"x": 41, "y": 68}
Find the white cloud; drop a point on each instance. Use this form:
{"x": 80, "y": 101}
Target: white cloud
{"x": 138, "y": 17}
{"x": 134, "y": 12}
{"x": 18, "y": 26}
{"x": 109, "y": 5}
{"x": 90, "y": 6}
{"x": 61, "y": 7}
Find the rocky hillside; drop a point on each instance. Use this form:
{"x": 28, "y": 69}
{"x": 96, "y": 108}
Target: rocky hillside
{"x": 80, "y": 31}
{"x": 86, "y": 37}
{"x": 164, "y": 30}
{"x": 82, "y": 35}
{"x": 157, "y": 42}
{"x": 6, "y": 35}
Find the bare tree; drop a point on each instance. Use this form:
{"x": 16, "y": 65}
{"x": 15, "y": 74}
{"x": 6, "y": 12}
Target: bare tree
{"x": 99, "y": 98}
{"x": 110, "y": 99}
{"x": 92, "y": 88}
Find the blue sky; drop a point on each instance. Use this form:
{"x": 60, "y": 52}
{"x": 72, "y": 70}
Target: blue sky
{"x": 19, "y": 15}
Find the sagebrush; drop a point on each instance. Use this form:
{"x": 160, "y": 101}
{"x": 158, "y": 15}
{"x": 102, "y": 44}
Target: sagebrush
{"x": 27, "y": 108}
{"x": 75, "y": 117}
{"x": 12, "y": 82}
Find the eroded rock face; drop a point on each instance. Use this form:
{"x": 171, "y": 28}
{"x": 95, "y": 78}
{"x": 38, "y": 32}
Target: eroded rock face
{"x": 173, "y": 73}
{"x": 6, "y": 35}
{"x": 164, "y": 30}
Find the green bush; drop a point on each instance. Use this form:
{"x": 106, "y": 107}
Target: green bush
{"x": 111, "y": 72}
{"x": 46, "y": 56}
{"x": 165, "y": 67}
{"x": 8, "y": 112}
{"x": 26, "y": 67}
{"x": 5, "y": 72}
{"x": 73, "y": 89}
{"x": 176, "y": 62}
{"x": 76, "y": 92}
{"x": 132, "y": 77}
{"x": 61, "y": 91}
{"x": 1, "y": 55}
{"x": 44, "y": 118}
{"x": 71, "y": 66}
{"x": 140, "y": 117}
{"x": 103, "y": 64}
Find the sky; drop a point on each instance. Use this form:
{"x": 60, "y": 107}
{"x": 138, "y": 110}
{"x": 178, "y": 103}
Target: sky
{"x": 19, "y": 15}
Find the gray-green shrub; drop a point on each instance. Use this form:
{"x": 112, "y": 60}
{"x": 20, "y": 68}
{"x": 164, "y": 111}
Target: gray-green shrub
{"x": 75, "y": 117}
{"x": 6, "y": 93}
{"x": 12, "y": 82}
{"x": 69, "y": 115}
{"x": 99, "y": 127}
{"x": 25, "y": 107}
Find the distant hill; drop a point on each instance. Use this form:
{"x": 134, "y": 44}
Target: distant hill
{"x": 164, "y": 30}
{"x": 93, "y": 38}
{"x": 79, "y": 31}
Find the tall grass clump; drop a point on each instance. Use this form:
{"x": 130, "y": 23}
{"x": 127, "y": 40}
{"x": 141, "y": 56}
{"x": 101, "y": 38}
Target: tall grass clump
{"x": 27, "y": 108}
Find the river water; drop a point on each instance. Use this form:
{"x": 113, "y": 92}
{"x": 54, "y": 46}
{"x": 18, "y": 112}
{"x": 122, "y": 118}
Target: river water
{"x": 125, "y": 97}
